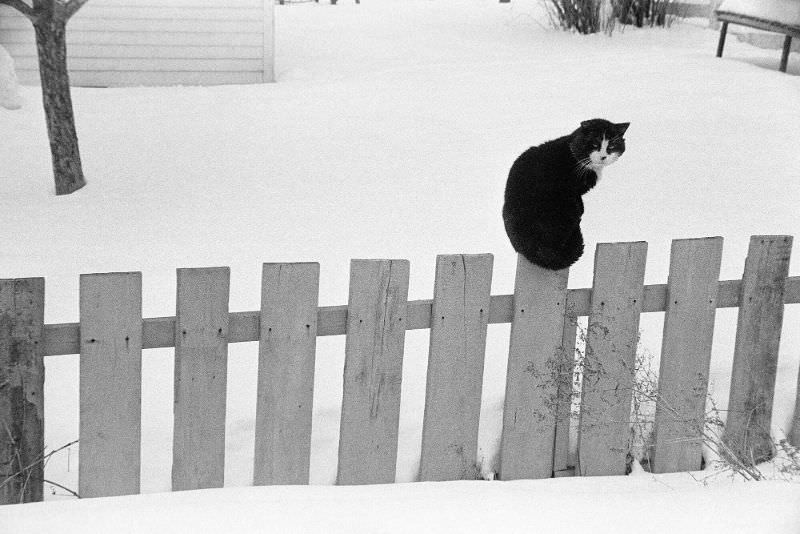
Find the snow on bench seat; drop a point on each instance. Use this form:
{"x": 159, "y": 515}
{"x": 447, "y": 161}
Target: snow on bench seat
{"x": 779, "y": 16}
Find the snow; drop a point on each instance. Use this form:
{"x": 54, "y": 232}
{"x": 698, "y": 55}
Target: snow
{"x": 783, "y": 11}
{"x": 389, "y": 134}
{"x": 598, "y": 505}
{"x": 10, "y": 97}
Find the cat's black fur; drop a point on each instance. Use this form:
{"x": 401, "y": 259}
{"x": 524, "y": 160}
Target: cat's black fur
{"x": 543, "y": 206}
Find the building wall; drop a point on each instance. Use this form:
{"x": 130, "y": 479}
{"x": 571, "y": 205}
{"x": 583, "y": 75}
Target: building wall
{"x": 155, "y": 42}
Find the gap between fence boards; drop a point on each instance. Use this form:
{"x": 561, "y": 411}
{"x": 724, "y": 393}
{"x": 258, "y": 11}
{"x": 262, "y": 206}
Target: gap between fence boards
{"x": 159, "y": 332}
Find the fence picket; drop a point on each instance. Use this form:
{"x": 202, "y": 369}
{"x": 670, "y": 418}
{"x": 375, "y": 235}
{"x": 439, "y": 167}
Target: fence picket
{"x": 755, "y": 355}
{"x": 610, "y": 358}
{"x": 535, "y": 439}
{"x": 22, "y": 385}
{"x": 201, "y": 368}
{"x": 110, "y": 384}
{"x": 692, "y": 289}
{"x": 561, "y": 460}
{"x": 794, "y": 427}
{"x": 373, "y": 367}
{"x": 535, "y": 357}
{"x": 455, "y": 366}
{"x": 290, "y": 293}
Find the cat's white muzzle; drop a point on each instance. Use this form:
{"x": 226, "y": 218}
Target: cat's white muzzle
{"x": 602, "y": 159}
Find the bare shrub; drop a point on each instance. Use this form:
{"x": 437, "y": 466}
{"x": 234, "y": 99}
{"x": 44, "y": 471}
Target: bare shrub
{"x": 570, "y": 370}
{"x": 592, "y": 16}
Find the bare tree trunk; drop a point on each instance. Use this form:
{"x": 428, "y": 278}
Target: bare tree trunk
{"x": 51, "y": 45}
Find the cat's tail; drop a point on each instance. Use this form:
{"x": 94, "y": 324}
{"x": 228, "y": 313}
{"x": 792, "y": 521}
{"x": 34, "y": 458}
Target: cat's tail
{"x": 546, "y": 255}
{"x": 550, "y": 258}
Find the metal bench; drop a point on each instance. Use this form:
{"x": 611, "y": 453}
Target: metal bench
{"x": 762, "y": 15}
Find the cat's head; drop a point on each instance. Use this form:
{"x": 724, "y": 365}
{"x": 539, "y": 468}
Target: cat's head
{"x": 598, "y": 142}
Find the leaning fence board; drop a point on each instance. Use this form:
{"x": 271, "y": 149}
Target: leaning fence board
{"x": 755, "y": 355}
{"x": 686, "y": 354}
{"x": 201, "y": 364}
{"x": 565, "y": 373}
{"x": 21, "y": 390}
{"x": 373, "y": 371}
{"x": 289, "y": 297}
{"x": 794, "y": 430}
{"x": 610, "y": 358}
{"x": 455, "y": 367}
{"x": 110, "y": 384}
{"x": 534, "y": 358}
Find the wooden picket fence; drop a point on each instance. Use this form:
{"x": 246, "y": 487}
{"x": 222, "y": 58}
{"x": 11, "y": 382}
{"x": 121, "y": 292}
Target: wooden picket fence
{"x": 112, "y": 333}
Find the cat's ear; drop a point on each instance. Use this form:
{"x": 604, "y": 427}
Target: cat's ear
{"x": 586, "y": 124}
{"x": 622, "y": 127}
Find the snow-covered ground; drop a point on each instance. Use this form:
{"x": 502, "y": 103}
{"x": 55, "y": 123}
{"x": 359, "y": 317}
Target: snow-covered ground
{"x": 599, "y": 505}
{"x": 389, "y": 134}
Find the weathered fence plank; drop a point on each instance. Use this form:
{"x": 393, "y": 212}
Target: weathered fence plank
{"x": 289, "y": 298}
{"x": 455, "y": 367}
{"x": 692, "y": 290}
{"x": 110, "y": 384}
{"x": 535, "y": 357}
{"x": 373, "y": 371}
{"x": 561, "y": 460}
{"x": 755, "y": 356}
{"x": 201, "y": 370}
{"x": 21, "y": 390}
{"x": 535, "y": 438}
{"x": 609, "y": 362}
{"x": 794, "y": 430}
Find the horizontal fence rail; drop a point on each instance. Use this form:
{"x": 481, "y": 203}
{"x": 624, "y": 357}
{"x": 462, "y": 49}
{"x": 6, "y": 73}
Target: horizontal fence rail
{"x": 159, "y": 332}
{"x": 539, "y": 392}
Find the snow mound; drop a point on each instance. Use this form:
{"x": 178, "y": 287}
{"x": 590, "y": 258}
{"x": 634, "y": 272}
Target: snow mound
{"x": 601, "y": 505}
{"x": 10, "y": 97}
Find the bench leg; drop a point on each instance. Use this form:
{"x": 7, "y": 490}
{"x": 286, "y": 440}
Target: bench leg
{"x": 723, "y": 30}
{"x": 787, "y": 45}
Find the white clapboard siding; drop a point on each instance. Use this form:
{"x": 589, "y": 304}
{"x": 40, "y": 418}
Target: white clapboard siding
{"x": 168, "y": 40}
{"x": 155, "y": 42}
{"x": 608, "y": 369}
{"x": 535, "y": 353}
{"x": 27, "y": 52}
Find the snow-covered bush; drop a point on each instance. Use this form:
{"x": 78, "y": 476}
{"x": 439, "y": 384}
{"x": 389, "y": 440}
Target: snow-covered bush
{"x": 10, "y": 97}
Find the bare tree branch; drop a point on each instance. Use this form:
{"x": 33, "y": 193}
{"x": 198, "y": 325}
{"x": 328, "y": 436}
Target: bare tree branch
{"x": 20, "y": 6}
{"x": 72, "y": 7}
{"x": 41, "y": 458}
{"x": 56, "y": 484}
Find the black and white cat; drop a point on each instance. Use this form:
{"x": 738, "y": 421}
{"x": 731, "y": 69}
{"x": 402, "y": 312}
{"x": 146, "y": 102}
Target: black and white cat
{"x": 543, "y": 206}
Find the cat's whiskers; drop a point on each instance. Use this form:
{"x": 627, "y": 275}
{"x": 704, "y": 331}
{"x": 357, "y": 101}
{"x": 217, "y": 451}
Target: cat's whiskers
{"x": 583, "y": 166}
